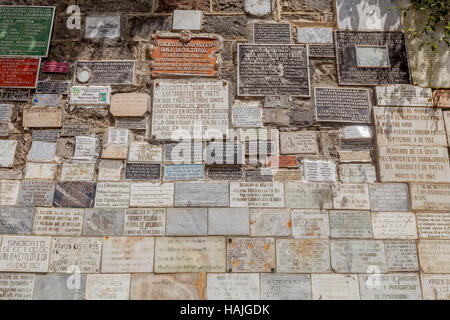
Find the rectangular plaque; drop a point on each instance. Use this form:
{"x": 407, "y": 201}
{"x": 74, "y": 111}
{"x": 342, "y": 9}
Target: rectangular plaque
{"x": 342, "y": 105}
{"x": 184, "y": 172}
{"x": 129, "y": 104}
{"x": 401, "y": 255}
{"x": 74, "y": 194}
{"x": 77, "y": 171}
{"x": 298, "y": 142}
{"x": 247, "y": 115}
{"x": 272, "y": 33}
{"x": 16, "y": 286}
{"x": 403, "y": 95}
{"x": 394, "y": 225}
{"x": 14, "y": 95}
{"x": 447, "y": 124}
{"x": 257, "y": 194}
{"x": 315, "y": 35}
{"x": 184, "y": 152}
{"x": 19, "y": 72}
{"x": 435, "y": 286}
{"x": 100, "y": 95}
{"x": 260, "y": 175}
{"x": 227, "y": 286}
{"x": 112, "y": 195}
{"x": 372, "y": 57}
{"x": 321, "y": 51}
{"x": 310, "y": 224}
{"x": 7, "y": 153}
{"x": 16, "y": 220}
{"x": 428, "y": 196}
{"x": 142, "y": 171}
{"x": 151, "y": 194}
{"x": 58, "y": 222}
{"x": 335, "y": 287}
{"x": 187, "y": 20}
{"x": 413, "y": 164}
{"x": 357, "y": 173}
{"x": 40, "y": 171}
{"x": 108, "y": 286}
{"x": 201, "y": 194}
{"x": 356, "y": 256}
{"x": 103, "y": 222}
{"x": 192, "y": 254}
{"x": 198, "y": 56}
{"x": 144, "y": 152}
{"x": 434, "y": 256}
{"x": 35, "y": 193}
{"x": 350, "y": 224}
{"x": 287, "y": 175}
{"x": 41, "y": 151}
{"x": 389, "y": 197}
{"x": 349, "y": 73}
{"x": 185, "y": 104}
{"x": 26, "y": 30}
{"x": 351, "y": 196}
{"x": 303, "y": 256}
{"x": 46, "y": 100}
{"x": 53, "y": 87}
{"x": 85, "y": 148}
{"x": 48, "y": 135}
{"x": 228, "y": 221}
{"x": 75, "y": 129}
{"x": 391, "y": 287}
{"x": 25, "y": 254}
{"x": 132, "y": 123}
{"x": 187, "y": 222}
{"x": 145, "y": 222}
{"x": 251, "y": 255}
{"x": 319, "y": 171}
{"x": 285, "y": 286}
{"x": 110, "y": 170}
{"x": 257, "y": 65}
{"x": 308, "y": 195}
{"x": 9, "y": 189}
{"x": 47, "y": 117}
{"x": 224, "y": 173}
{"x": 56, "y": 67}
{"x": 105, "y": 72}
{"x": 99, "y": 27}
{"x": 224, "y": 153}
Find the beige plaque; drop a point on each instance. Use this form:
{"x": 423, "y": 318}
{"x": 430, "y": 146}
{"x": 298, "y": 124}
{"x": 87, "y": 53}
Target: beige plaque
{"x": 129, "y": 104}
{"x": 47, "y": 117}
{"x": 58, "y": 221}
{"x": 428, "y": 196}
{"x": 303, "y": 256}
{"x": 351, "y": 196}
{"x": 434, "y": 256}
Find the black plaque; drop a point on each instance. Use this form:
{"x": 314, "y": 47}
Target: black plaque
{"x": 142, "y": 171}
{"x": 321, "y": 51}
{"x": 342, "y": 105}
{"x": 75, "y": 130}
{"x": 273, "y": 33}
{"x": 259, "y": 176}
{"x": 54, "y": 87}
{"x": 224, "y": 173}
{"x": 74, "y": 194}
{"x": 301, "y": 117}
{"x": 350, "y": 74}
{"x": 49, "y": 135}
{"x": 106, "y": 72}
{"x": 272, "y": 70}
{"x": 14, "y": 95}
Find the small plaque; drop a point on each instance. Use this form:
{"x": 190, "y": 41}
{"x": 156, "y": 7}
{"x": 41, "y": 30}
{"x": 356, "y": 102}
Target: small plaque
{"x": 48, "y": 117}
{"x": 184, "y": 172}
{"x": 224, "y": 153}
{"x": 9, "y": 189}
{"x": 103, "y": 222}
{"x": 308, "y": 195}
{"x": 7, "y": 153}
{"x": 285, "y": 286}
{"x": 227, "y": 286}
{"x": 257, "y": 194}
{"x": 58, "y": 222}
{"x": 74, "y": 194}
{"x": 42, "y": 151}
{"x": 357, "y": 173}
{"x": 228, "y": 221}
{"x": 53, "y": 87}
{"x": 75, "y": 130}
{"x": 272, "y": 33}
{"x": 434, "y": 256}
{"x": 441, "y": 98}
{"x": 187, "y": 222}
{"x": 321, "y": 51}
{"x": 47, "y": 135}
{"x": 247, "y": 115}
{"x": 303, "y": 256}
{"x": 132, "y": 123}
{"x": 129, "y": 104}
{"x": 90, "y": 95}
{"x": 46, "y": 100}
{"x": 372, "y": 57}
{"x": 310, "y": 224}
{"x": 298, "y": 142}
{"x": 105, "y": 72}
{"x": 394, "y": 225}
{"x": 25, "y": 254}
{"x": 201, "y": 194}
{"x": 142, "y": 171}
{"x": 187, "y": 20}
{"x": 403, "y": 95}
{"x": 151, "y": 194}
{"x": 145, "y": 222}
{"x": 401, "y": 255}
{"x": 112, "y": 195}
{"x": 261, "y": 175}
{"x": 35, "y": 193}
{"x": 110, "y": 170}
{"x": 391, "y": 287}
{"x": 224, "y": 173}
{"x": 358, "y": 256}
{"x": 427, "y": 196}
{"x": 389, "y": 197}
{"x": 53, "y": 286}
{"x": 315, "y": 35}
{"x": 287, "y": 175}
{"x": 102, "y": 27}
{"x": 77, "y": 171}
{"x": 144, "y": 152}
{"x": 16, "y": 286}
{"x": 56, "y": 67}
{"x": 351, "y": 196}
{"x": 270, "y": 222}
{"x": 184, "y": 152}
{"x": 40, "y": 171}
{"x": 85, "y": 148}
{"x": 350, "y": 224}
{"x": 14, "y": 95}
{"x": 319, "y": 171}
{"x": 19, "y": 72}
{"x": 108, "y": 286}
{"x": 251, "y": 255}
{"x": 335, "y": 287}
{"x": 16, "y": 220}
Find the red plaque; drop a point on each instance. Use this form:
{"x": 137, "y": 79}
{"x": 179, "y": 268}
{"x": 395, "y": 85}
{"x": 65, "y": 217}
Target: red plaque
{"x": 56, "y": 67}
{"x": 19, "y": 72}
{"x": 283, "y": 162}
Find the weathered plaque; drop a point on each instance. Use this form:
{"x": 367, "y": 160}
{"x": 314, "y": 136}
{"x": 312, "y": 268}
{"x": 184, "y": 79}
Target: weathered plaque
{"x": 433, "y": 225}
{"x": 389, "y": 197}
{"x": 112, "y": 195}
{"x": 7, "y": 153}
{"x": 105, "y": 72}
{"x": 24, "y": 254}
{"x": 321, "y": 51}
{"x": 103, "y": 222}
{"x": 53, "y": 286}
{"x": 342, "y": 105}
{"x": 372, "y": 57}
{"x": 224, "y": 173}
{"x": 399, "y": 286}
{"x": 303, "y": 256}
{"x": 285, "y": 286}
{"x": 224, "y": 153}
{"x": 53, "y": 87}
{"x": 319, "y": 171}
{"x": 247, "y": 115}
{"x": 77, "y": 171}
{"x": 184, "y": 152}
{"x": 394, "y": 225}
{"x": 435, "y": 286}
{"x": 144, "y": 152}
{"x": 184, "y": 172}
{"x": 351, "y": 196}
{"x": 110, "y": 170}
{"x": 26, "y": 30}
{"x": 144, "y": 222}
{"x": 42, "y": 151}
{"x": 251, "y": 255}
{"x": 46, "y": 100}
{"x": 9, "y": 189}
{"x": 58, "y": 222}
{"x": 357, "y": 133}
{"x": 35, "y": 193}
{"x": 287, "y": 175}
{"x": 179, "y": 107}
{"x": 187, "y": 20}
{"x": 308, "y": 195}
{"x": 298, "y": 142}
{"x": 447, "y": 124}
{"x": 192, "y": 254}
{"x": 272, "y": 33}
{"x": 92, "y": 95}
{"x": 16, "y": 220}
{"x": 40, "y": 170}
{"x": 201, "y": 194}
{"x": 349, "y": 73}
{"x": 357, "y": 173}
{"x": 19, "y": 72}
{"x": 403, "y": 95}
{"x": 358, "y": 256}
{"x": 16, "y": 286}
{"x": 47, "y": 117}
{"x": 257, "y": 194}
{"x": 282, "y": 162}
{"x": 270, "y": 222}
{"x": 129, "y": 104}
{"x": 102, "y": 27}
{"x": 75, "y": 130}
{"x": 259, "y": 70}
{"x": 108, "y": 286}
{"x": 187, "y": 222}
{"x": 335, "y": 287}
{"x": 228, "y": 221}
{"x": 142, "y": 171}
{"x": 441, "y": 98}
{"x": 74, "y": 194}
{"x": 6, "y": 112}
{"x": 173, "y": 54}
{"x": 56, "y": 67}
{"x": 409, "y": 126}
{"x": 260, "y": 175}
{"x": 14, "y": 95}
{"x": 151, "y": 194}
{"x": 427, "y": 196}
{"x": 226, "y": 286}
{"x": 348, "y": 156}
{"x": 133, "y": 123}
{"x": 350, "y": 224}
{"x": 315, "y": 35}
{"x": 48, "y": 135}
{"x": 401, "y": 255}
{"x": 85, "y": 148}
{"x": 310, "y": 224}
{"x": 434, "y": 256}
{"x": 413, "y": 164}
{"x": 127, "y": 254}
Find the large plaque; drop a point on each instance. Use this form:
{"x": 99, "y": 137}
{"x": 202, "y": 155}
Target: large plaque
{"x": 58, "y": 221}
{"x": 389, "y": 197}
{"x": 26, "y": 30}
{"x": 434, "y": 256}
{"x": 272, "y": 70}
{"x": 201, "y": 194}
{"x": 175, "y": 54}
{"x": 19, "y": 72}
{"x": 272, "y": 33}
{"x": 358, "y": 256}
{"x": 342, "y": 105}
{"x": 227, "y": 286}
{"x": 393, "y": 71}
{"x": 251, "y": 255}
{"x": 428, "y": 196}
{"x": 15, "y": 220}
{"x": 303, "y": 256}
{"x": 391, "y": 287}
{"x": 151, "y": 194}
{"x": 24, "y": 254}
{"x": 257, "y": 194}
{"x": 105, "y": 72}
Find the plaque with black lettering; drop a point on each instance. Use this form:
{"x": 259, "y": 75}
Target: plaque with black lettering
{"x": 273, "y": 33}
{"x": 224, "y": 173}
{"x": 49, "y": 135}
{"x": 53, "y": 87}
{"x": 372, "y": 58}
{"x": 105, "y": 72}
{"x": 142, "y": 171}
{"x": 75, "y": 130}
{"x": 259, "y": 175}
{"x": 14, "y": 95}
{"x": 321, "y": 51}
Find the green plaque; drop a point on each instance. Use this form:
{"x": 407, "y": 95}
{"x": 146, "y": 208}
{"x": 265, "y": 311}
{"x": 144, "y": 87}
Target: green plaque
{"x": 25, "y": 30}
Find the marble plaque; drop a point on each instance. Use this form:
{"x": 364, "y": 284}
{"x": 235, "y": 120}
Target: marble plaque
{"x": 108, "y": 286}
{"x": 184, "y": 172}
{"x": 144, "y": 152}
{"x": 315, "y": 35}
{"x": 357, "y": 173}
{"x": 358, "y": 256}
{"x": 441, "y": 98}
{"x": 102, "y": 27}
{"x": 251, "y": 255}
{"x": 47, "y": 117}
{"x": 105, "y": 72}
{"x": 83, "y": 252}
{"x": 187, "y": 222}
{"x": 184, "y": 152}
{"x": 247, "y": 115}
{"x": 435, "y": 286}
{"x": 310, "y": 224}
{"x": 403, "y": 95}
{"x": 433, "y": 225}
{"x": 257, "y": 65}
{"x": 16, "y": 220}
{"x": 74, "y": 194}
{"x": 58, "y": 222}
{"x": 394, "y": 225}
{"x": 319, "y": 171}
{"x": 357, "y": 133}
{"x": 349, "y": 73}
{"x": 85, "y": 148}
{"x": 7, "y": 153}
{"x": 270, "y": 222}
{"x": 187, "y": 20}
{"x": 228, "y": 221}
{"x": 257, "y": 194}
{"x": 48, "y": 135}
{"x": 35, "y": 193}
{"x": 142, "y": 171}
{"x": 342, "y": 105}
{"x": 132, "y": 123}
{"x": 75, "y": 130}
{"x": 201, "y": 194}
{"x": 321, "y": 51}
{"x": 389, "y": 197}
{"x": 434, "y": 256}
{"x": 92, "y": 95}
{"x": 372, "y": 57}
{"x": 53, "y": 87}
{"x": 413, "y": 164}
{"x": 303, "y": 256}
{"x": 350, "y": 224}
{"x": 77, "y": 171}
{"x": 145, "y": 222}
{"x": 103, "y": 222}
{"x": 110, "y": 170}
{"x": 397, "y": 286}
{"x": 178, "y": 106}
{"x": 401, "y": 255}
{"x": 335, "y": 287}
{"x": 409, "y": 126}
{"x": 224, "y": 173}
{"x": 193, "y": 254}
{"x": 7, "y": 112}
{"x": 298, "y": 142}
{"x": 351, "y": 196}
{"x": 127, "y": 254}
{"x": 260, "y": 175}
{"x": 46, "y": 100}
{"x": 227, "y": 286}
{"x": 427, "y": 196}
{"x": 24, "y": 254}
{"x": 308, "y": 195}
{"x": 53, "y": 286}
{"x": 112, "y": 195}
{"x": 9, "y": 190}
{"x": 41, "y": 151}
{"x": 16, "y": 286}
{"x": 151, "y": 194}
{"x": 273, "y": 33}
{"x": 14, "y": 95}
{"x": 224, "y": 153}
{"x": 285, "y": 286}
{"x": 129, "y": 104}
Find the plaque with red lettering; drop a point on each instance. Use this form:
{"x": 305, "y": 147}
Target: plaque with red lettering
{"x": 19, "y": 72}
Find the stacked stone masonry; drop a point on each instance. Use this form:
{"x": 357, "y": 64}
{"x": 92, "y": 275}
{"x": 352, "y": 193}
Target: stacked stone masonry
{"x": 312, "y": 161}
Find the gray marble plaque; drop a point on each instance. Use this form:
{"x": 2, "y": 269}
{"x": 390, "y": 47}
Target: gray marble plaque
{"x": 403, "y": 95}
{"x": 285, "y": 286}
{"x": 270, "y": 222}
{"x": 42, "y": 151}
{"x": 435, "y": 286}
{"x": 372, "y": 57}
{"x": 273, "y": 33}
{"x": 389, "y": 197}
{"x": 46, "y": 100}
{"x": 357, "y": 173}
{"x": 358, "y": 256}
{"x": 16, "y": 220}
{"x": 400, "y": 286}
{"x": 315, "y": 35}
{"x": 105, "y": 72}
{"x": 103, "y": 222}
{"x": 187, "y": 222}
{"x": 187, "y": 20}
{"x": 102, "y": 27}
{"x": 257, "y": 194}
{"x": 350, "y": 224}
{"x": 59, "y": 286}
{"x": 36, "y": 193}
{"x": 48, "y": 135}
{"x": 401, "y": 255}
{"x": 201, "y": 194}
{"x": 228, "y": 221}
{"x": 108, "y": 286}
{"x": 308, "y": 195}
{"x": 74, "y": 194}
{"x": 335, "y": 287}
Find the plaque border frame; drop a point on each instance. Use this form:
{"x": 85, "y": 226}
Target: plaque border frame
{"x": 91, "y": 103}
{"x": 37, "y": 73}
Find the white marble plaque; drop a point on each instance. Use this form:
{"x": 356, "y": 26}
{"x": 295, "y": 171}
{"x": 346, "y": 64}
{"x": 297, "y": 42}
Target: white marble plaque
{"x": 433, "y": 225}
{"x": 270, "y": 222}
{"x": 187, "y": 222}
{"x": 151, "y": 194}
{"x": 58, "y": 222}
{"x": 335, "y": 287}
{"x": 9, "y": 189}
{"x": 108, "y": 286}
{"x": 257, "y": 194}
{"x": 435, "y": 286}
{"x": 303, "y": 256}
{"x": 112, "y": 195}
{"x": 389, "y": 197}
{"x": 92, "y": 95}
{"x": 251, "y": 255}
{"x": 394, "y": 225}
{"x": 372, "y": 57}
{"x": 42, "y": 151}
{"x": 434, "y": 256}
{"x": 357, "y": 133}
{"x": 16, "y": 286}
{"x": 350, "y": 224}
{"x": 358, "y": 256}
{"x": 144, "y": 152}
{"x": 228, "y": 221}
{"x": 428, "y": 196}
{"x": 401, "y": 255}
{"x": 7, "y": 153}
{"x": 351, "y": 196}
{"x": 319, "y": 171}
{"x": 315, "y": 35}
{"x": 357, "y": 173}
{"x": 187, "y": 20}
{"x": 397, "y": 286}
{"x": 77, "y": 171}
{"x": 40, "y": 170}
{"x": 403, "y": 95}
{"x": 102, "y": 27}
{"x": 110, "y": 170}
{"x": 308, "y": 195}
{"x": 84, "y": 148}
{"x": 247, "y": 114}
{"x": 145, "y": 222}
{"x": 310, "y": 224}
{"x": 24, "y": 254}
{"x": 285, "y": 286}
{"x": 299, "y": 142}
{"x": 227, "y": 286}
